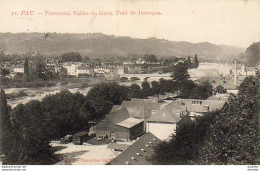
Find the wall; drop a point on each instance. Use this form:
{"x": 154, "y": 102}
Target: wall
{"x": 161, "y": 130}
{"x": 106, "y": 127}
{"x": 137, "y": 130}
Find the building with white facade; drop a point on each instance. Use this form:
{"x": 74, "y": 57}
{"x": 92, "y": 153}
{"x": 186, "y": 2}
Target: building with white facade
{"x": 19, "y": 69}
{"x": 77, "y": 68}
{"x": 84, "y": 70}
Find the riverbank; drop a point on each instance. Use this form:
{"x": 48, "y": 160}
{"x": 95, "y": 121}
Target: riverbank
{"x": 70, "y": 82}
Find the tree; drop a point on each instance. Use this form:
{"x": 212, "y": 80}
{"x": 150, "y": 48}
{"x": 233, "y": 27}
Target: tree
{"x": 189, "y": 62}
{"x": 220, "y": 89}
{"x": 151, "y": 58}
{"x": 180, "y": 72}
{"x": 229, "y": 136}
{"x": 63, "y": 73}
{"x": 252, "y": 55}
{"x": 36, "y": 123}
{"x": 71, "y": 57}
{"x": 156, "y": 88}
{"x": 183, "y": 148}
{"x": 187, "y": 89}
{"x": 136, "y": 91}
{"x": 163, "y": 86}
{"x": 190, "y": 90}
{"x": 233, "y": 138}
{"x": 30, "y": 144}
{"x": 103, "y": 96}
{"x": 40, "y": 70}
{"x": 5, "y": 123}
{"x": 196, "y": 61}
{"x": 146, "y": 89}
{"x": 66, "y": 113}
{"x": 85, "y": 59}
{"x": 202, "y": 91}
{"x": 26, "y": 67}
{"x": 4, "y": 72}
{"x": 167, "y": 86}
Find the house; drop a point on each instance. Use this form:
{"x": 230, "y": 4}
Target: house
{"x": 113, "y": 73}
{"x": 84, "y": 70}
{"x": 140, "y": 61}
{"x": 139, "y": 153}
{"x": 119, "y": 125}
{"x": 77, "y": 68}
{"x": 197, "y": 107}
{"x": 51, "y": 62}
{"x": 163, "y": 123}
{"x": 160, "y": 118}
{"x": 18, "y": 69}
{"x": 202, "y": 106}
{"x": 101, "y": 70}
{"x": 72, "y": 67}
{"x": 121, "y": 70}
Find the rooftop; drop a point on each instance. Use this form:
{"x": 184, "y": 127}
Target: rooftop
{"x": 139, "y": 152}
{"x": 129, "y": 123}
{"x": 118, "y": 116}
{"x": 164, "y": 115}
{"x": 122, "y": 118}
{"x": 219, "y": 97}
{"x": 196, "y": 105}
{"x": 141, "y": 108}
{"x": 81, "y": 133}
{"x": 84, "y": 67}
{"x": 118, "y": 146}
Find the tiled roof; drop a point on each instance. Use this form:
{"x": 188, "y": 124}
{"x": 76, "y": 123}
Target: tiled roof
{"x": 118, "y": 116}
{"x": 140, "y": 108}
{"x": 199, "y": 107}
{"x": 144, "y": 100}
{"x": 139, "y": 152}
{"x": 19, "y": 66}
{"x": 116, "y": 107}
{"x": 118, "y": 146}
{"x": 174, "y": 106}
{"x": 129, "y": 123}
{"x": 84, "y": 68}
{"x": 221, "y": 97}
{"x": 163, "y": 115}
{"x": 122, "y": 118}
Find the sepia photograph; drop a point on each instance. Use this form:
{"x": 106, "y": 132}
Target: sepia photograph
{"x": 129, "y": 82}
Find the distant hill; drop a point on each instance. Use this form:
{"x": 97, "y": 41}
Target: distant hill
{"x": 251, "y": 56}
{"x": 105, "y": 46}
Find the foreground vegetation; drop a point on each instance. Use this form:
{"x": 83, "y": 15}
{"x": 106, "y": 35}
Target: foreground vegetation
{"x": 229, "y": 136}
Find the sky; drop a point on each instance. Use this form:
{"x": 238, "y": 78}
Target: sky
{"x": 229, "y": 22}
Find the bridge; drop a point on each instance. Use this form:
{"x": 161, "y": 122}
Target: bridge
{"x": 144, "y": 77}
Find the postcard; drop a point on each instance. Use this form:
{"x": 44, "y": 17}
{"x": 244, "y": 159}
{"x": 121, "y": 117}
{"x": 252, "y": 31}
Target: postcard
{"x": 129, "y": 82}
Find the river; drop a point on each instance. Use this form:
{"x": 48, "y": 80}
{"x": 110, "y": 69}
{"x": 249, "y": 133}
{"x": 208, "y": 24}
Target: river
{"x": 204, "y": 69}
{"x": 40, "y": 92}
